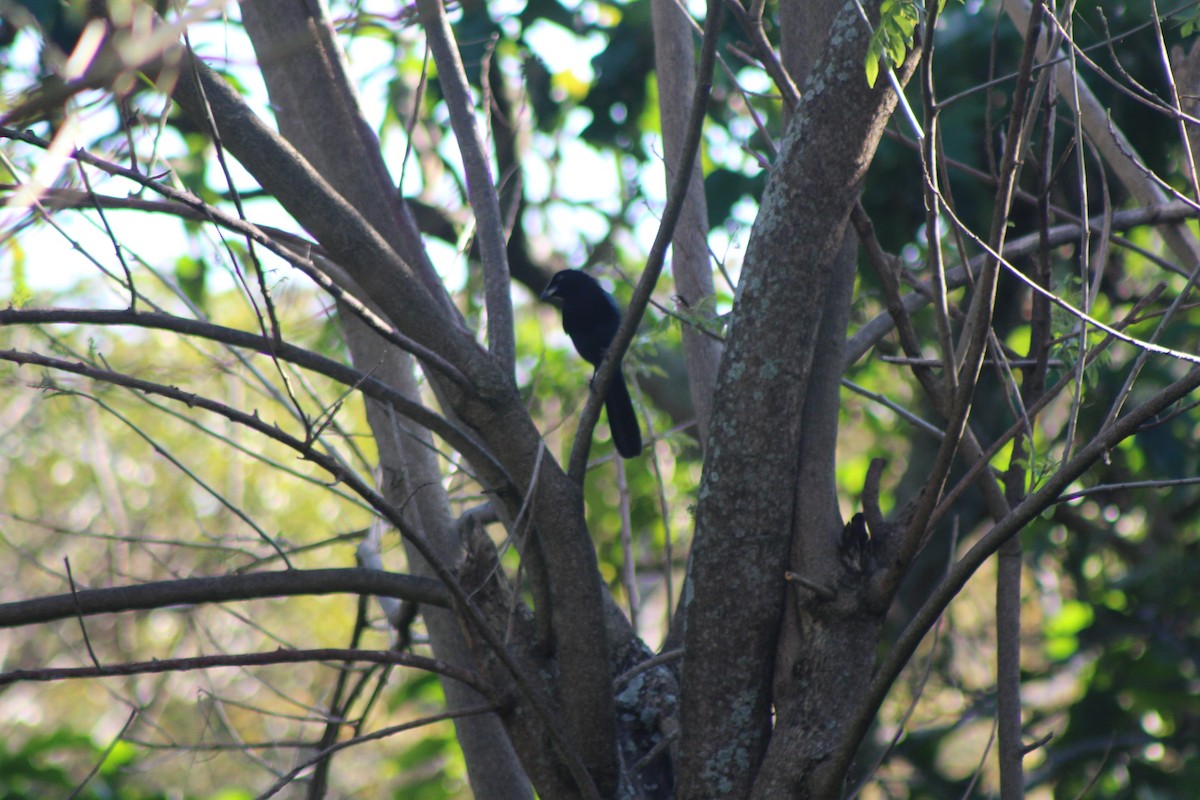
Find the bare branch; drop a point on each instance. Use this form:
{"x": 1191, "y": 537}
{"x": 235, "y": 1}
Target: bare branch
{"x": 246, "y": 660}
{"x": 1033, "y": 505}
{"x": 690, "y": 266}
{"x": 676, "y": 198}
{"x": 489, "y": 222}
{"x": 485, "y": 708}
{"x": 973, "y": 341}
{"x": 463, "y": 441}
{"x": 100, "y": 761}
{"x": 223, "y": 589}
{"x": 751, "y": 24}
{"x": 292, "y": 256}
{"x": 873, "y": 332}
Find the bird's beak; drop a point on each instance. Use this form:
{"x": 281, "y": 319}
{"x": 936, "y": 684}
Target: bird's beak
{"x": 550, "y": 295}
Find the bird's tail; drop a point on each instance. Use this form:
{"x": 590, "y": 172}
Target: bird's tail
{"x": 622, "y": 420}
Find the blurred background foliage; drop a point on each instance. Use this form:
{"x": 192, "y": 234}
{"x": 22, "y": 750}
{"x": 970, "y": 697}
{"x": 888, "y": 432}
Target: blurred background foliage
{"x": 129, "y": 489}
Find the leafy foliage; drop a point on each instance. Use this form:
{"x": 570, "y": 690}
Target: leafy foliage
{"x": 893, "y": 36}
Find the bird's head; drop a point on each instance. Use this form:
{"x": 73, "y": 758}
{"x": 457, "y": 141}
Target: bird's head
{"x": 569, "y": 283}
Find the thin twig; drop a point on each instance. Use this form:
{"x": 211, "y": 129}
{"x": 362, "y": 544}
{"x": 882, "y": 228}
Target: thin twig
{"x": 650, "y": 663}
{"x": 455, "y": 436}
{"x": 248, "y": 660}
{"x": 103, "y": 757}
{"x": 79, "y": 615}
{"x": 1126, "y": 485}
{"x": 904, "y": 413}
{"x": 676, "y": 197}
{"x": 901, "y": 651}
{"x": 112, "y": 236}
{"x": 283, "y": 250}
{"x": 483, "y": 708}
{"x": 211, "y": 491}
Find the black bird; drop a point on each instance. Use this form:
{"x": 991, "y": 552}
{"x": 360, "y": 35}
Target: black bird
{"x": 590, "y": 316}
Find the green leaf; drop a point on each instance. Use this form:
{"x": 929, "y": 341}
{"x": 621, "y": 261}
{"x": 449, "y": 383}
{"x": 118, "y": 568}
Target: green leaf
{"x": 893, "y": 36}
{"x": 873, "y": 54}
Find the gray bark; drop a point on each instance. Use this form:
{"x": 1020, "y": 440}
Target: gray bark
{"x": 767, "y": 421}
{"x": 675, "y": 67}
{"x": 824, "y": 642}
{"x": 303, "y": 70}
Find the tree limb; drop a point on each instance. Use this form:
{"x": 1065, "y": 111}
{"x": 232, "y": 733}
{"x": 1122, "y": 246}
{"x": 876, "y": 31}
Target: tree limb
{"x": 899, "y": 654}
{"x": 489, "y": 223}
{"x": 676, "y": 198}
{"x": 223, "y": 589}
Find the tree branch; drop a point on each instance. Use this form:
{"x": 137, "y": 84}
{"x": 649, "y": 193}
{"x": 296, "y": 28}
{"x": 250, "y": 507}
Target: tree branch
{"x": 690, "y": 265}
{"x": 483, "y": 708}
{"x": 491, "y": 472}
{"x": 462, "y": 602}
{"x": 223, "y": 589}
{"x": 158, "y": 666}
{"x": 973, "y": 341}
{"x": 489, "y": 223}
{"x": 899, "y": 654}
{"x": 875, "y": 330}
{"x": 305, "y": 265}
{"x": 492, "y": 407}
{"x": 677, "y": 196}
